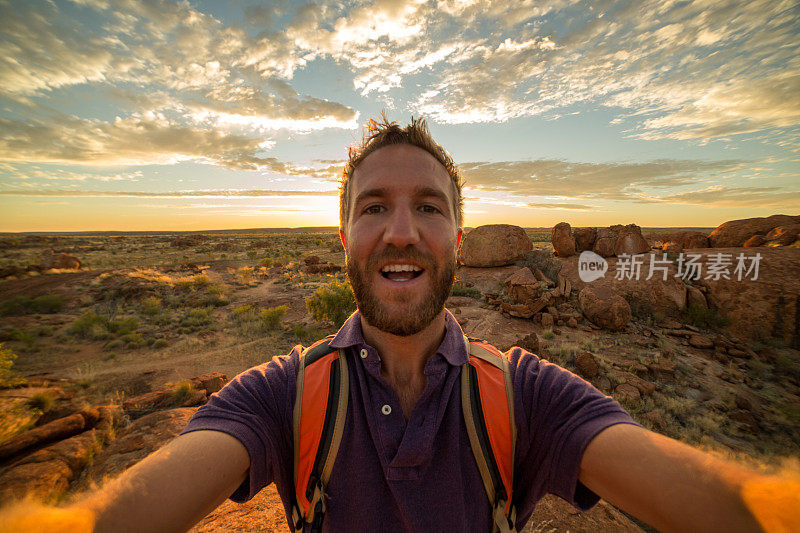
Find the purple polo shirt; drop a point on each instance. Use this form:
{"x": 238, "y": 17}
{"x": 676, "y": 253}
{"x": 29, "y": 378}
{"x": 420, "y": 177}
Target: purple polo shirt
{"x": 392, "y": 475}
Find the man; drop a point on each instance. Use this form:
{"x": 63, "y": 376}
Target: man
{"x": 405, "y": 463}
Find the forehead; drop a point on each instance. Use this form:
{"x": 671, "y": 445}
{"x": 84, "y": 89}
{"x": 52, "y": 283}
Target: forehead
{"x": 399, "y": 167}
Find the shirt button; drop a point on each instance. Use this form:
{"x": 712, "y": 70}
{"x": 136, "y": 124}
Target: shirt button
{"x": 386, "y": 409}
{"x": 364, "y": 353}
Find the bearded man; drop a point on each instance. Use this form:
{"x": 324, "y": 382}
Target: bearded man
{"x": 405, "y": 462}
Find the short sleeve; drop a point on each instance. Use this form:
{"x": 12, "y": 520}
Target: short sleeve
{"x": 558, "y": 414}
{"x": 256, "y": 408}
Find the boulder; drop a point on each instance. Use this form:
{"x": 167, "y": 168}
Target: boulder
{"x": 484, "y": 279}
{"x": 626, "y": 393}
{"x": 604, "y": 307}
{"x": 584, "y": 238}
{"x": 755, "y": 241}
{"x": 737, "y": 232}
{"x": 562, "y": 240}
{"x": 702, "y": 342}
{"x": 494, "y": 245}
{"x": 530, "y": 343}
{"x": 210, "y": 382}
{"x": 136, "y": 441}
{"x": 55, "y": 430}
{"x": 629, "y": 240}
{"x": 782, "y": 235}
{"x": 547, "y": 320}
{"x": 759, "y": 308}
{"x": 61, "y": 261}
{"x": 678, "y": 240}
{"x": 666, "y": 297}
{"x": 522, "y": 286}
{"x": 586, "y": 365}
{"x": 604, "y": 244}
{"x": 696, "y": 298}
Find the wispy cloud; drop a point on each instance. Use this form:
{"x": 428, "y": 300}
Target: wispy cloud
{"x": 173, "y": 194}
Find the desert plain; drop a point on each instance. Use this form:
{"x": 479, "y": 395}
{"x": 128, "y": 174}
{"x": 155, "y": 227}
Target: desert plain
{"x": 110, "y": 341}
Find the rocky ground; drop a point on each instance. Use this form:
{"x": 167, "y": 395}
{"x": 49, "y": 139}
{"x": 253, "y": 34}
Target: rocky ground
{"x": 112, "y": 358}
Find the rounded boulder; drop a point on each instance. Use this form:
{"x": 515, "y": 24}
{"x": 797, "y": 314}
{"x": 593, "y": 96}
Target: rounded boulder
{"x": 605, "y": 308}
{"x": 494, "y": 245}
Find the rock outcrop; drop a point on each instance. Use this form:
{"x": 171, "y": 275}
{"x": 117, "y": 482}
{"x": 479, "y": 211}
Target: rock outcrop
{"x": 494, "y": 245}
{"x": 562, "y": 240}
{"x": 604, "y": 307}
{"x": 51, "y": 259}
{"x": 737, "y": 232}
{"x": 584, "y": 238}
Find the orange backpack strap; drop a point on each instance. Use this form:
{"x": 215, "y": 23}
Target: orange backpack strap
{"x": 487, "y": 400}
{"x": 320, "y": 409}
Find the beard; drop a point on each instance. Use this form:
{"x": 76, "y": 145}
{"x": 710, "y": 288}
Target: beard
{"x": 414, "y": 317}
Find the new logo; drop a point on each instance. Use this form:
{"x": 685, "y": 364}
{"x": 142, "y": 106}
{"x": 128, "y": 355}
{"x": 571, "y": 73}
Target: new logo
{"x": 591, "y": 266}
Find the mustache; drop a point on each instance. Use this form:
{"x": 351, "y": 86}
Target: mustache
{"x": 412, "y": 255}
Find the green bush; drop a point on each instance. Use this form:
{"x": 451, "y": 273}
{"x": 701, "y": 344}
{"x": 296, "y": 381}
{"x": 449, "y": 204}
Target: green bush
{"x": 22, "y": 305}
{"x": 548, "y": 334}
{"x": 332, "y": 303}
{"x": 151, "y": 305}
{"x": 462, "y": 290}
{"x": 160, "y": 343}
{"x": 273, "y": 316}
{"x": 90, "y": 326}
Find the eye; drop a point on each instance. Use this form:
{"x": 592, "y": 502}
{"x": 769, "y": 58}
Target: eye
{"x": 429, "y": 209}
{"x": 373, "y": 210}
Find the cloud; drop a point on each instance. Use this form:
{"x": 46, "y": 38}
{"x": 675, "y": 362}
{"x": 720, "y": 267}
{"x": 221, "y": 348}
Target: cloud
{"x": 610, "y": 181}
{"x": 226, "y": 193}
{"x": 721, "y": 196}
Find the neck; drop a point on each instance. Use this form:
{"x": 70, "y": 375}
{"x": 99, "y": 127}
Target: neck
{"x": 405, "y": 355}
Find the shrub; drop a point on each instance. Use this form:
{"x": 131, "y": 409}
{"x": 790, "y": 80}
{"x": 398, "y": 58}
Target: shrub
{"x": 332, "y": 303}
{"x": 22, "y": 305}
{"x": 700, "y": 316}
{"x": 462, "y": 290}
{"x": 151, "y": 305}
{"x": 182, "y": 392}
{"x": 41, "y": 400}
{"x": 548, "y": 334}
{"x": 273, "y": 316}
{"x": 90, "y": 326}
{"x": 160, "y": 343}
{"x": 7, "y": 358}
{"x": 307, "y": 335}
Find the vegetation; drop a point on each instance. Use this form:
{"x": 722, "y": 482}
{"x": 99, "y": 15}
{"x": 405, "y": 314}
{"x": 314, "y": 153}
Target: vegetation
{"x": 332, "y": 303}
{"x": 22, "y": 305}
{"x": 463, "y": 290}
{"x": 7, "y": 358}
{"x": 703, "y": 317}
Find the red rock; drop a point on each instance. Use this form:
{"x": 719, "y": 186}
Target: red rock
{"x": 40, "y": 481}
{"x": 562, "y": 240}
{"x": 572, "y": 323}
{"x": 626, "y": 393}
{"x": 586, "y": 365}
{"x": 696, "y": 298}
{"x": 522, "y": 286}
{"x": 61, "y": 261}
{"x": 755, "y": 241}
{"x": 486, "y": 280}
{"x": 604, "y": 244}
{"x": 678, "y": 240}
{"x": 629, "y": 240}
{"x": 210, "y": 382}
{"x": 737, "y": 232}
{"x": 312, "y": 260}
{"x": 547, "y": 320}
{"x": 55, "y": 430}
{"x": 324, "y": 268}
{"x": 782, "y": 235}
{"x": 604, "y": 307}
{"x": 516, "y": 310}
{"x": 530, "y": 343}
{"x": 494, "y": 245}
{"x": 584, "y": 238}
{"x": 698, "y": 341}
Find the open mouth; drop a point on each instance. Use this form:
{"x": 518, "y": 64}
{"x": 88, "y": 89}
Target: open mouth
{"x": 404, "y": 272}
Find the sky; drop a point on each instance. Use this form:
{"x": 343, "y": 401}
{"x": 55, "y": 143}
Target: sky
{"x": 159, "y": 115}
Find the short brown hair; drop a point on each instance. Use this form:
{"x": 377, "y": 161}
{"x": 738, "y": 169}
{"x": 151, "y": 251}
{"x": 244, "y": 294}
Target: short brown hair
{"x": 380, "y": 133}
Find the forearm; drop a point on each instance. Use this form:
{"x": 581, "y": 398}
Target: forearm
{"x": 170, "y": 490}
{"x": 666, "y": 483}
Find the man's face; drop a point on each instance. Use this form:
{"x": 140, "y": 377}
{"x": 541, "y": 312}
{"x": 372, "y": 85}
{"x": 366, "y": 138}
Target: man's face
{"x": 401, "y": 239}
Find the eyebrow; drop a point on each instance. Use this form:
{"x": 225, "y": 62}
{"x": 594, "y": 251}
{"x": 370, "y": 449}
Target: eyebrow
{"x": 380, "y": 192}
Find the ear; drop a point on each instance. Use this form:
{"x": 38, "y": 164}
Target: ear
{"x": 341, "y": 237}
{"x": 458, "y": 238}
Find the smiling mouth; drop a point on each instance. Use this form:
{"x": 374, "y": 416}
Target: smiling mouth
{"x": 401, "y": 272}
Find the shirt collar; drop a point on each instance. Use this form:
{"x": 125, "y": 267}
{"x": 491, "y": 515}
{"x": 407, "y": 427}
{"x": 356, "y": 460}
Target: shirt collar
{"x": 453, "y": 347}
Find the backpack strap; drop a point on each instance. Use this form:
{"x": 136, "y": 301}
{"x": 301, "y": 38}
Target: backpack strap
{"x": 485, "y": 379}
{"x": 320, "y": 409}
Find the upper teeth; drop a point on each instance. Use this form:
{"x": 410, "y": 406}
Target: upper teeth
{"x": 401, "y": 268}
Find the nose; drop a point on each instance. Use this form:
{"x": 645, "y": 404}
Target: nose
{"x": 401, "y": 228}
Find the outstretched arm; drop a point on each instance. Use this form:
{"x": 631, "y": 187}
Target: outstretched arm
{"x": 674, "y": 487}
{"x": 170, "y": 490}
